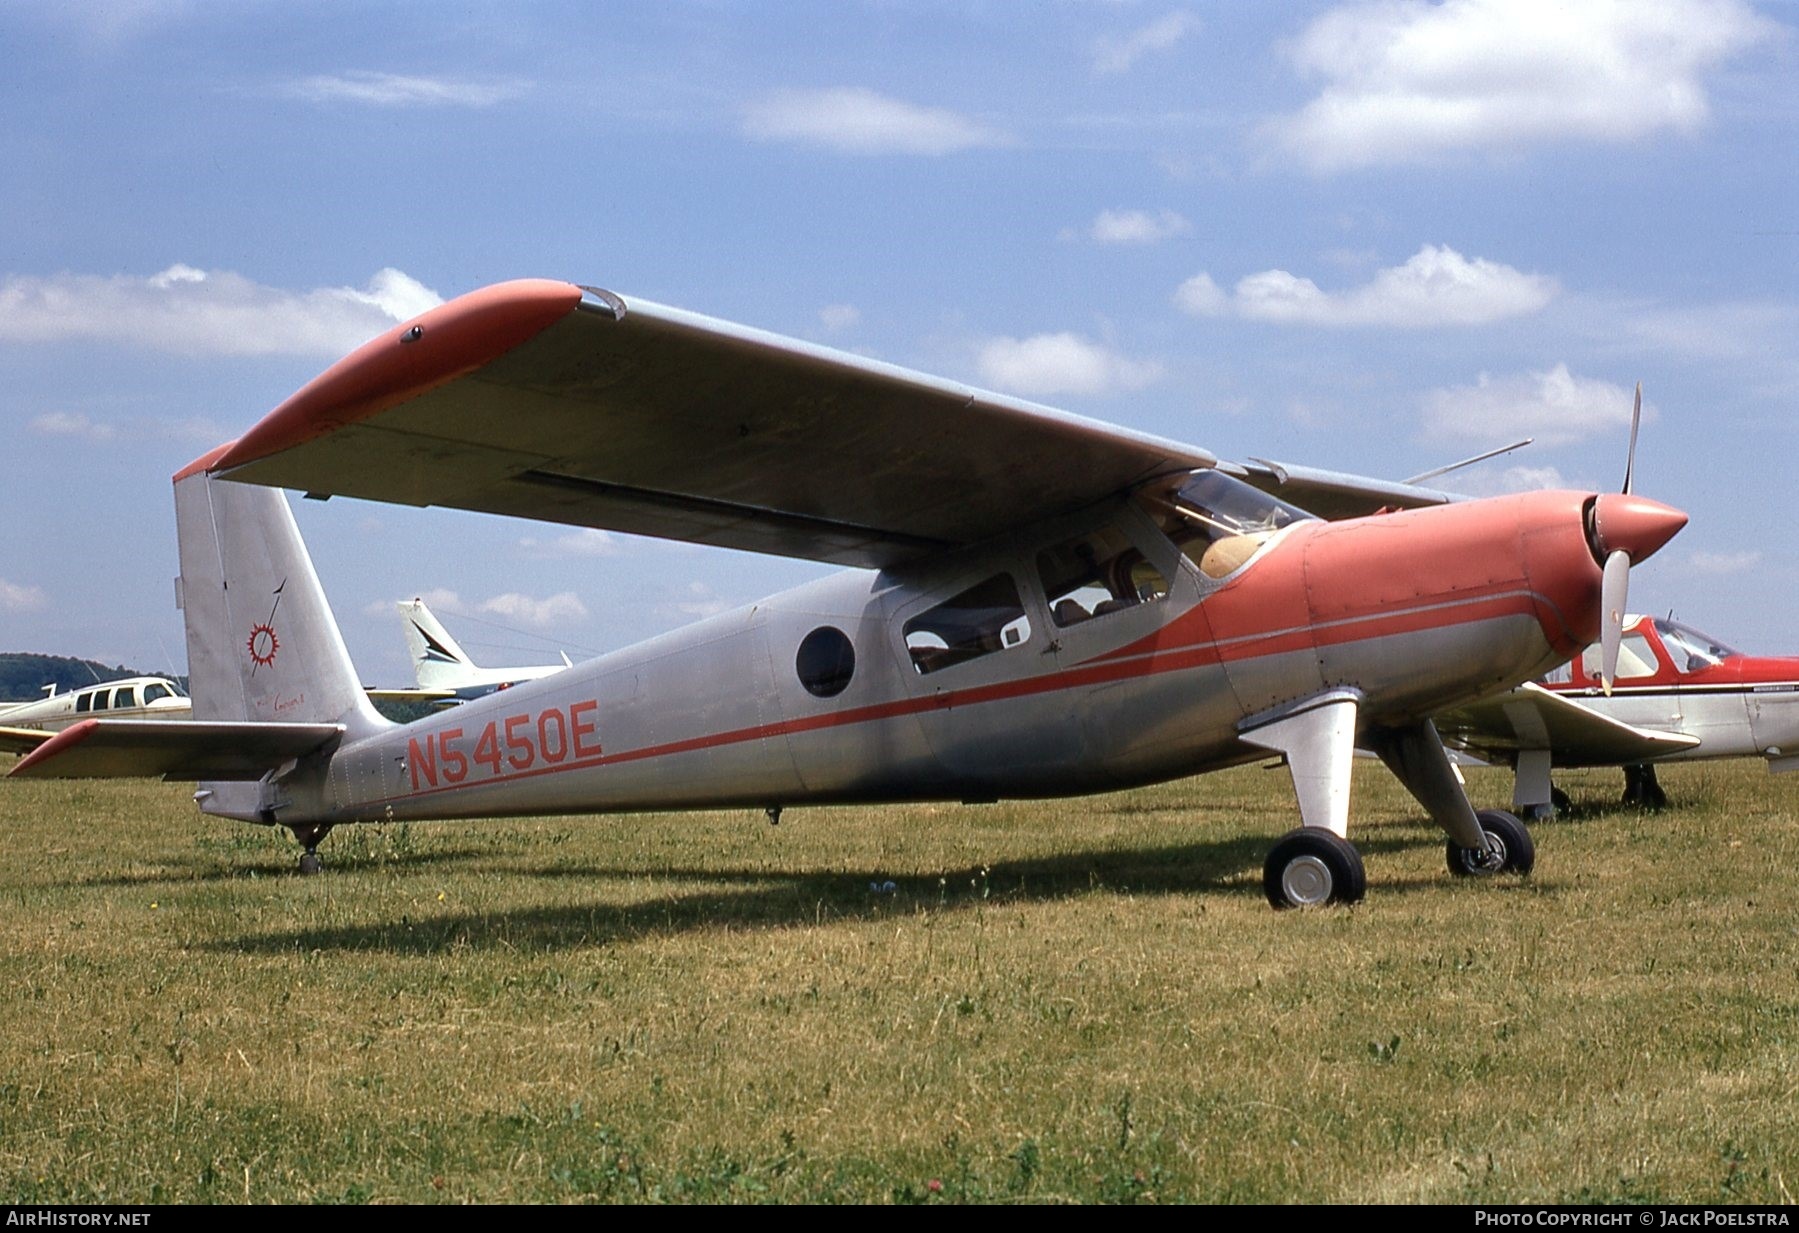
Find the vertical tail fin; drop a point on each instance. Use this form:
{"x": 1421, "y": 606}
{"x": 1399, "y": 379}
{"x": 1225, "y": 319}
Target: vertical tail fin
{"x": 437, "y": 660}
{"x": 261, "y": 641}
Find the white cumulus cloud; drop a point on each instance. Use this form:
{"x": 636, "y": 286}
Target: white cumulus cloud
{"x": 1117, "y": 53}
{"x": 1061, "y": 364}
{"x": 837, "y": 317}
{"x": 1405, "y": 81}
{"x": 17, "y": 598}
{"x": 585, "y": 542}
{"x": 205, "y": 312}
{"x": 1724, "y": 562}
{"x": 398, "y": 90}
{"x": 856, "y": 120}
{"x": 1555, "y": 407}
{"x": 72, "y": 424}
{"x": 1437, "y": 286}
{"x": 1137, "y": 226}
{"x": 559, "y": 609}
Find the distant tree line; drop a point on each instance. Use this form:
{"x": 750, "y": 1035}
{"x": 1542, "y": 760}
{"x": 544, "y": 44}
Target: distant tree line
{"x": 24, "y": 675}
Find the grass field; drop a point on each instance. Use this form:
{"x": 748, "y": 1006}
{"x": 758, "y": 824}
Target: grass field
{"x": 1073, "y": 1001}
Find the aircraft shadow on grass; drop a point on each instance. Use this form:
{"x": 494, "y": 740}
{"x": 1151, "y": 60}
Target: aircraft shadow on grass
{"x": 770, "y": 900}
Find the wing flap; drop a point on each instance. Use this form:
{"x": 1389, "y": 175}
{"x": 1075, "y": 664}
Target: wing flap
{"x": 1531, "y": 717}
{"x": 177, "y": 749}
{"x": 631, "y": 416}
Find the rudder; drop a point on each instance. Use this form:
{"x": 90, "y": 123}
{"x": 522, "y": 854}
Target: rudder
{"x": 261, "y": 641}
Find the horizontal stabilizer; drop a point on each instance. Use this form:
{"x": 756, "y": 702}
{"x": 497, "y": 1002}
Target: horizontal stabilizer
{"x": 1531, "y": 717}
{"x": 173, "y": 749}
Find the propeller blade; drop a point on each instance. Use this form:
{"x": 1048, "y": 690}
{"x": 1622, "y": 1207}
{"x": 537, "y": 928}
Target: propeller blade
{"x": 1614, "y": 591}
{"x": 1636, "y": 418}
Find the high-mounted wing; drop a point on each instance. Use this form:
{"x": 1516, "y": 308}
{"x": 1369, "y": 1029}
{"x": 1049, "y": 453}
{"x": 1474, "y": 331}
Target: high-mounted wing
{"x": 1531, "y": 717}
{"x": 1333, "y": 494}
{"x": 173, "y": 749}
{"x": 546, "y": 400}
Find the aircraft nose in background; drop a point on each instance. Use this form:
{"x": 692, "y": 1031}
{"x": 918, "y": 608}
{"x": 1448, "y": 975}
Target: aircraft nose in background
{"x": 1634, "y": 524}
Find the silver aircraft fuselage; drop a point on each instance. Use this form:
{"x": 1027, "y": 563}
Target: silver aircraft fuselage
{"x": 1413, "y": 611}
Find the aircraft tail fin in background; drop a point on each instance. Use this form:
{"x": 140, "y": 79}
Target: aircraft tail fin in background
{"x": 438, "y": 660}
{"x": 262, "y": 645}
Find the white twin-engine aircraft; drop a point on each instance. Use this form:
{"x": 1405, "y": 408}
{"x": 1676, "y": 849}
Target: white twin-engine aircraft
{"x": 26, "y": 725}
{"x": 1040, "y": 605}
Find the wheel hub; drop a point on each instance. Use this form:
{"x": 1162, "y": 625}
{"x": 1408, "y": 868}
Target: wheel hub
{"x": 1306, "y": 881}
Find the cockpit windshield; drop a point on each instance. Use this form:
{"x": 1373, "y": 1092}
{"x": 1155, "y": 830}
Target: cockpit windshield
{"x": 1217, "y": 521}
{"x": 1691, "y": 649}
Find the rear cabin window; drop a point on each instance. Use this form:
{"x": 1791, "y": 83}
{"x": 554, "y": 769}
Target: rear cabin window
{"x": 1097, "y": 574}
{"x": 83, "y": 702}
{"x": 123, "y": 697}
{"x": 985, "y": 618}
{"x": 100, "y": 698}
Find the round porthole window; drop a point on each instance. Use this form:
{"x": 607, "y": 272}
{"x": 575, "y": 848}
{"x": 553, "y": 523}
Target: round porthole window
{"x": 826, "y": 662}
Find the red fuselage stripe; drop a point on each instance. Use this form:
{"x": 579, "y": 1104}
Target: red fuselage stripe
{"x": 1153, "y": 663}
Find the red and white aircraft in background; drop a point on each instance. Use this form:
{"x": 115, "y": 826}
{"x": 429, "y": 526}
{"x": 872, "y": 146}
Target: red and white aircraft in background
{"x": 1038, "y": 604}
{"x": 1679, "y": 695}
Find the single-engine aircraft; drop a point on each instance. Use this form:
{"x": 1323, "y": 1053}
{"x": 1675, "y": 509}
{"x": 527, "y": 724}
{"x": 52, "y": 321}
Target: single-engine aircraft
{"x": 26, "y": 725}
{"x": 1680, "y": 695}
{"x": 1038, "y": 604}
{"x": 444, "y": 670}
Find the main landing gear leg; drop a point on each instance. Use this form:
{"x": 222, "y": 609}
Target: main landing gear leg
{"x": 1480, "y": 844}
{"x": 1640, "y": 788}
{"x": 1315, "y": 864}
{"x": 1533, "y": 796}
{"x": 309, "y": 834}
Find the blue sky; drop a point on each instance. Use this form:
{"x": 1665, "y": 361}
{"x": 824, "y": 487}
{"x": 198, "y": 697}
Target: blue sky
{"x": 1376, "y": 237}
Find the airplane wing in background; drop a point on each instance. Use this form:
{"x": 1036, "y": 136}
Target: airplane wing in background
{"x": 1531, "y": 717}
{"x": 545, "y": 400}
{"x": 173, "y": 749}
{"x": 22, "y": 740}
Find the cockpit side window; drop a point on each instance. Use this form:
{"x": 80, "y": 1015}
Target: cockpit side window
{"x": 1635, "y": 659}
{"x": 153, "y": 691}
{"x": 1096, "y": 574}
{"x": 985, "y": 618}
{"x": 1218, "y": 522}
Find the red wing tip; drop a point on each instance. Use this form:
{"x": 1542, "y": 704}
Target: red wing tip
{"x": 205, "y": 461}
{"x": 66, "y": 739}
{"x": 414, "y": 357}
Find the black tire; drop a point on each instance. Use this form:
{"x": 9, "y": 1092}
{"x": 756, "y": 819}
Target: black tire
{"x": 310, "y": 864}
{"x": 1310, "y": 867}
{"x": 1510, "y": 840}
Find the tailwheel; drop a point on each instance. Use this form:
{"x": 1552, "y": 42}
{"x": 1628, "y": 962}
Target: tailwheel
{"x": 1312, "y": 866}
{"x": 309, "y": 836}
{"x": 1508, "y": 850}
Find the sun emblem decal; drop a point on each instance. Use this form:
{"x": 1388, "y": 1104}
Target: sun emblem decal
{"x": 263, "y": 644}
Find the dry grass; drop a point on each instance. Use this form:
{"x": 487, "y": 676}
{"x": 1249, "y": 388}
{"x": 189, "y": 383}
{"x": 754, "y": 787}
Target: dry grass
{"x": 1084, "y": 1000}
